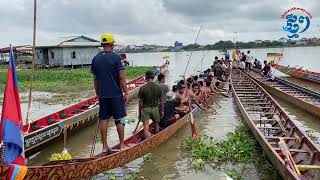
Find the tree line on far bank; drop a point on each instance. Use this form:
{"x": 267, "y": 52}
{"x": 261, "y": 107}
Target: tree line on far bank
{"x": 221, "y": 45}
{"x": 230, "y": 45}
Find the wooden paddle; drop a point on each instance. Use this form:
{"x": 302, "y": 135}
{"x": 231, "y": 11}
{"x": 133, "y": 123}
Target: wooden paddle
{"x": 308, "y": 167}
{"x": 192, "y": 124}
{"x": 214, "y": 101}
{"x": 65, "y": 138}
{"x": 193, "y": 128}
{"x": 94, "y": 140}
{"x": 135, "y": 130}
{"x": 139, "y": 120}
{"x": 285, "y": 150}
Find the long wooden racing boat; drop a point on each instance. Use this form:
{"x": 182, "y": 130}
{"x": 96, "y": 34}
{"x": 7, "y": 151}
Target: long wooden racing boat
{"x": 299, "y": 96}
{"x": 88, "y": 167}
{"x": 298, "y": 73}
{"x": 44, "y": 131}
{"x": 287, "y": 146}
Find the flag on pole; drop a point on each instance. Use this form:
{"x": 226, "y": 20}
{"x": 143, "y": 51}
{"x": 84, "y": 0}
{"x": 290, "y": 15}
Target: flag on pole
{"x": 11, "y": 118}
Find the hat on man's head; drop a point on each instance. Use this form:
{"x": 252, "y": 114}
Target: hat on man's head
{"x": 149, "y": 74}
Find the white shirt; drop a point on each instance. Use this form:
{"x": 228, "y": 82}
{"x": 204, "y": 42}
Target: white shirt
{"x": 249, "y": 58}
{"x": 242, "y": 65}
{"x": 224, "y": 67}
{"x": 270, "y": 75}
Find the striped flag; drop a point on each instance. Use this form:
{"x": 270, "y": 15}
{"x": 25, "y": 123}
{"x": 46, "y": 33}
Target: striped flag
{"x": 11, "y": 119}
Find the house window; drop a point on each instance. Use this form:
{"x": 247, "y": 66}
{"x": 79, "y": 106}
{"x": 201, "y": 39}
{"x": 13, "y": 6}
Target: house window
{"x": 73, "y": 54}
{"x": 52, "y": 55}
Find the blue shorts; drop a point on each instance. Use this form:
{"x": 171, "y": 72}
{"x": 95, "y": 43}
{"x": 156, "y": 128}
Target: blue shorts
{"x": 112, "y": 107}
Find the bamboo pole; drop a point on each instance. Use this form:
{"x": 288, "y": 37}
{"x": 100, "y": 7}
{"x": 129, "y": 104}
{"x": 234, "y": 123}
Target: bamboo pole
{"x": 33, "y": 58}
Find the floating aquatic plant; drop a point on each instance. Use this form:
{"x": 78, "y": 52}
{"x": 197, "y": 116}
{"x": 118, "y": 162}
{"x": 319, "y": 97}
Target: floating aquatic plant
{"x": 239, "y": 147}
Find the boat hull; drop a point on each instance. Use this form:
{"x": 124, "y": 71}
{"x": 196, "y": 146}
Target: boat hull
{"x": 300, "y": 74}
{"x": 36, "y": 140}
{"x": 299, "y": 102}
{"x": 85, "y": 168}
{"x": 303, "y": 151}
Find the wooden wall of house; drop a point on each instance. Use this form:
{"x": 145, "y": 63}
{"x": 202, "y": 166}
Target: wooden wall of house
{"x": 83, "y": 55}
{"x": 39, "y": 57}
{"x": 56, "y": 56}
{"x": 62, "y": 56}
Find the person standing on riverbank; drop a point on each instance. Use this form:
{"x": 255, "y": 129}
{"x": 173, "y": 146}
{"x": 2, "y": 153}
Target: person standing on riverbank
{"x": 149, "y": 99}
{"x": 110, "y": 85}
{"x": 249, "y": 62}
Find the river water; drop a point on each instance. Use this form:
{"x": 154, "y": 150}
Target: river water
{"x": 168, "y": 162}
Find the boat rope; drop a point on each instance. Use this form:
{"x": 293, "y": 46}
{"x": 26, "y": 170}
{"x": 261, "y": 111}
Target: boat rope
{"x": 193, "y": 128}
{"x": 195, "y": 42}
{"x": 201, "y": 62}
{"x": 33, "y": 61}
{"x": 282, "y": 50}
{"x": 94, "y": 140}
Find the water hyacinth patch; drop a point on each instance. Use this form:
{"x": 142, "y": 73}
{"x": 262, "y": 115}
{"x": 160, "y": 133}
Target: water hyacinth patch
{"x": 239, "y": 147}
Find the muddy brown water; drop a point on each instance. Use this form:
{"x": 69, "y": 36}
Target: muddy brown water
{"x": 167, "y": 161}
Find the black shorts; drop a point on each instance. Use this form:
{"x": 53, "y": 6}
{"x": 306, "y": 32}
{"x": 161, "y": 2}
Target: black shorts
{"x": 112, "y": 107}
{"x": 181, "y": 114}
{"x": 248, "y": 65}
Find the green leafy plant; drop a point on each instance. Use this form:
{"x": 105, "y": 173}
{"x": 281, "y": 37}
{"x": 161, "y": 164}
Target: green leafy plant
{"x": 198, "y": 164}
{"x": 147, "y": 157}
{"x": 233, "y": 174}
{"x": 112, "y": 177}
{"x": 239, "y": 147}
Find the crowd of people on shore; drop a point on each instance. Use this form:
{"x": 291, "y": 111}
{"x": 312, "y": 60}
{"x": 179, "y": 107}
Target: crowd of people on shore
{"x": 246, "y": 62}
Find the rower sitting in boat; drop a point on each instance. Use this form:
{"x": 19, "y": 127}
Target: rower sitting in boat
{"x": 149, "y": 100}
{"x": 193, "y": 96}
{"x": 257, "y": 64}
{"x": 196, "y": 90}
{"x": 180, "y": 93}
{"x": 270, "y": 76}
{"x": 207, "y": 89}
{"x": 210, "y": 72}
{"x": 204, "y": 94}
{"x": 266, "y": 68}
{"x": 171, "y": 112}
{"x": 195, "y": 79}
{"x": 201, "y": 78}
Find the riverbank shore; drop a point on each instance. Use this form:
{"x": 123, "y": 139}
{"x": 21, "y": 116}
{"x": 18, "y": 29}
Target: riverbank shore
{"x": 61, "y": 86}
{"x": 62, "y": 79}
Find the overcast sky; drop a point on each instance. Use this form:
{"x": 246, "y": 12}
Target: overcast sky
{"x": 150, "y": 21}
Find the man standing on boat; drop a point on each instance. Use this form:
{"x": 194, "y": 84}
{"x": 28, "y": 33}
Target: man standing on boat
{"x": 149, "y": 99}
{"x": 164, "y": 88}
{"x": 111, "y": 89}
